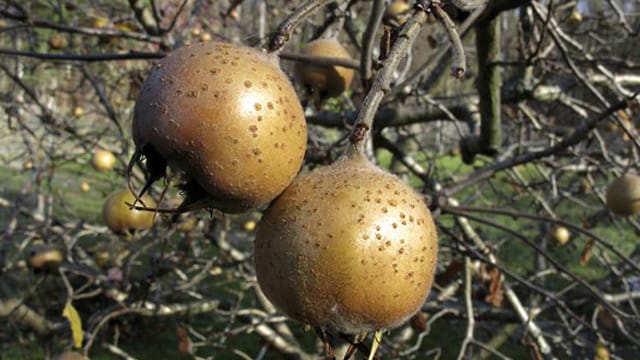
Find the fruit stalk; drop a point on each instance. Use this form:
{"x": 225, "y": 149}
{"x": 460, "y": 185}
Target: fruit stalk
{"x": 281, "y": 36}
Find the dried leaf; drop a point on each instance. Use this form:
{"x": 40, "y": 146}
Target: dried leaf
{"x": 451, "y": 272}
{"x": 184, "y": 343}
{"x": 587, "y": 253}
{"x": 496, "y": 295}
{"x": 76, "y": 324}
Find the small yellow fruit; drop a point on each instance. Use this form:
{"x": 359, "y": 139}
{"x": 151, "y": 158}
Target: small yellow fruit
{"x": 85, "y": 187}
{"x": 120, "y": 218}
{"x": 560, "y": 235}
{"x": 623, "y": 195}
{"x": 575, "y": 18}
{"x": 196, "y": 32}
{"x": 28, "y": 165}
{"x": 78, "y": 111}
{"x": 58, "y": 42}
{"x": 45, "y": 257}
{"x": 103, "y": 160}
{"x": 249, "y": 225}
{"x": 99, "y": 22}
{"x": 205, "y": 37}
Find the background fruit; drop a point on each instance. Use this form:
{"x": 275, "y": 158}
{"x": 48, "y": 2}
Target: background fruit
{"x": 560, "y": 235}
{"x": 623, "y": 195}
{"x": 103, "y": 160}
{"x": 78, "y": 111}
{"x": 119, "y": 218}
{"x": 45, "y": 257}
{"x": 227, "y": 117}
{"x": 325, "y": 80}
{"x": 396, "y": 13}
{"x": 349, "y": 248}
{"x": 85, "y": 187}
{"x": 58, "y": 42}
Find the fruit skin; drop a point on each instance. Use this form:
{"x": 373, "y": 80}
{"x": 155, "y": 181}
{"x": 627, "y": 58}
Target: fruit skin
{"x": 560, "y": 235}
{"x": 119, "y": 218}
{"x": 328, "y": 81}
{"x": 623, "y": 195}
{"x": 227, "y": 117}
{"x": 348, "y": 248}
{"x": 45, "y": 257}
{"x": 103, "y": 160}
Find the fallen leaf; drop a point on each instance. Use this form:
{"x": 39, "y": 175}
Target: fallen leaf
{"x": 75, "y": 321}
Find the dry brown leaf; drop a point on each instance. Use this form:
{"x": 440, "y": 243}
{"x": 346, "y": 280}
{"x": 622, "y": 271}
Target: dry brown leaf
{"x": 587, "y": 252}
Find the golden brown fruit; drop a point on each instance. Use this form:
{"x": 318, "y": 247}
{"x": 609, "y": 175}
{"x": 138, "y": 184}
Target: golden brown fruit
{"x": 70, "y": 355}
{"x": 45, "y": 257}
{"x": 119, "y": 218}
{"x": 623, "y": 195}
{"x": 103, "y": 160}
{"x": 560, "y": 235}
{"x": 58, "y": 42}
{"x": 328, "y": 81}
{"x": 348, "y": 248}
{"x": 227, "y": 117}
{"x": 396, "y": 13}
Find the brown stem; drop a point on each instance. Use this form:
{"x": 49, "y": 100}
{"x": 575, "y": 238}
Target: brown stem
{"x": 380, "y": 86}
{"x": 285, "y": 28}
{"x": 368, "y": 38}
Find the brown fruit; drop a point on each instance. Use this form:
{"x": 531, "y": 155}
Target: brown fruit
{"x": 71, "y": 355}
{"x": 349, "y": 248}
{"x": 45, "y": 257}
{"x": 225, "y": 116}
{"x": 58, "y": 42}
{"x": 103, "y": 160}
{"x": 328, "y": 81}
{"x": 120, "y": 218}
{"x": 623, "y": 195}
{"x": 560, "y": 235}
{"x": 396, "y": 13}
